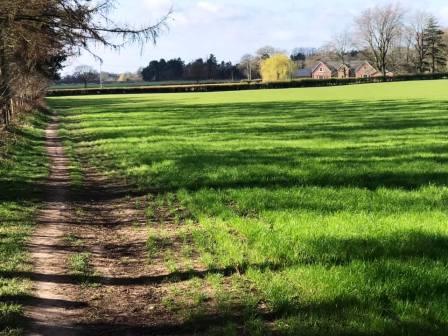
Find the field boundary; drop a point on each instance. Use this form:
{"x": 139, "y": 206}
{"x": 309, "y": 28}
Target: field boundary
{"x": 300, "y": 83}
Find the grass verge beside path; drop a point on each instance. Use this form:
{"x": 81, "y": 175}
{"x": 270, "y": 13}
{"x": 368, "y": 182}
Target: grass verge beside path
{"x": 23, "y": 167}
{"x": 323, "y": 210}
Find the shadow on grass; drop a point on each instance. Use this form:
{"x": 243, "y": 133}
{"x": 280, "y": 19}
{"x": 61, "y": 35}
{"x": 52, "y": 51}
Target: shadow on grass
{"x": 400, "y": 246}
{"x": 383, "y": 144}
{"x": 328, "y": 251}
{"x": 316, "y": 319}
{"x": 403, "y": 262}
{"x": 346, "y": 315}
{"x": 23, "y": 169}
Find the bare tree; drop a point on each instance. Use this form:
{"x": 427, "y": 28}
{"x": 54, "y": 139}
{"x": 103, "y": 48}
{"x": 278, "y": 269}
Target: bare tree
{"x": 249, "y": 65}
{"x": 86, "y": 74}
{"x": 36, "y": 32}
{"x": 407, "y": 42}
{"x": 378, "y": 29}
{"x": 419, "y": 22}
{"x": 268, "y": 51}
{"x": 341, "y": 44}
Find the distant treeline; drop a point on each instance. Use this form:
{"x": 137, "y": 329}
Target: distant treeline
{"x": 246, "y": 85}
{"x": 162, "y": 71}
{"x": 198, "y": 70}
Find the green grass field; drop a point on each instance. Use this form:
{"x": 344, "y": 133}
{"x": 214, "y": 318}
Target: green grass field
{"x": 23, "y": 168}
{"x": 332, "y": 203}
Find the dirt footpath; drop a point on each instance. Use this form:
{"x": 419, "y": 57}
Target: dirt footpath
{"x": 92, "y": 270}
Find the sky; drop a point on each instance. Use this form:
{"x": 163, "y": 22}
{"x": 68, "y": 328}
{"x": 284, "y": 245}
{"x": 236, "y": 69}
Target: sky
{"x": 232, "y": 28}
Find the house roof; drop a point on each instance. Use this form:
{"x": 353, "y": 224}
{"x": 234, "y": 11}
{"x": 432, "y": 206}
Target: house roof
{"x": 327, "y": 64}
{"x": 356, "y": 65}
{"x": 334, "y": 66}
{"x": 303, "y": 72}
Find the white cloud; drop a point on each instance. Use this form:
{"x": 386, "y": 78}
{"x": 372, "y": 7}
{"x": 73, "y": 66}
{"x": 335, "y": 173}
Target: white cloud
{"x": 202, "y": 13}
{"x": 179, "y": 19}
{"x": 444, "y": 15}
{"x": 158, "y": 4}
{"x": 208, "y": 7}
{"x": 157, "y": 8}
{"x": 282, "y": 35}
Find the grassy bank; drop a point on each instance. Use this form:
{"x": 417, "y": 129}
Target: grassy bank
{"x": 330, "y": 202}
{"x": 22, "y": 168}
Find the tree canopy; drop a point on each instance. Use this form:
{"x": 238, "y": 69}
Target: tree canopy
{"x": 276, "y": 68}
{"x": 37, "y": 35}
{"x": 200, "y": 69}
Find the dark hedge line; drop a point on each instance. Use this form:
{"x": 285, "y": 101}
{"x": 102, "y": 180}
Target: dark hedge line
{"x": 300, "y": 83}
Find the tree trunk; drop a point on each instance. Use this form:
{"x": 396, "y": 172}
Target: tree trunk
{"x": 5, "y": 78}
{"x": 5, "y": 117}
{"x": 433, "y": 63}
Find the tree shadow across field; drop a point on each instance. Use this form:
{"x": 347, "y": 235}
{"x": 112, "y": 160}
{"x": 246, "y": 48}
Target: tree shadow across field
{"x": 404, "y": 270}
{"x": 231, "y": 118}
{"x": 23, "y": 171}
{"x": 382, "y": 144}
{"x": 399, "y": 246}
{"x": 398, "y": 269}
{"x": 216, "y": 326}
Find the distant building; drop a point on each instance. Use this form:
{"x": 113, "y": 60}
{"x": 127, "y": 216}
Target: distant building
{"x": 327, "y": 70}
{"x": 303, "y": 73}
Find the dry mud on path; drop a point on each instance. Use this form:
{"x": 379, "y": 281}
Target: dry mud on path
{"x": 122, "y": 288}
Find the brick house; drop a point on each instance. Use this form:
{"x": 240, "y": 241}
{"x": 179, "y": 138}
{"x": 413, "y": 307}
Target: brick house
{"x": 354, "y": 69}
{"x": 364, "y": 70}
{"x": 344, "y": 71}
{"x": 323, "y": 70}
